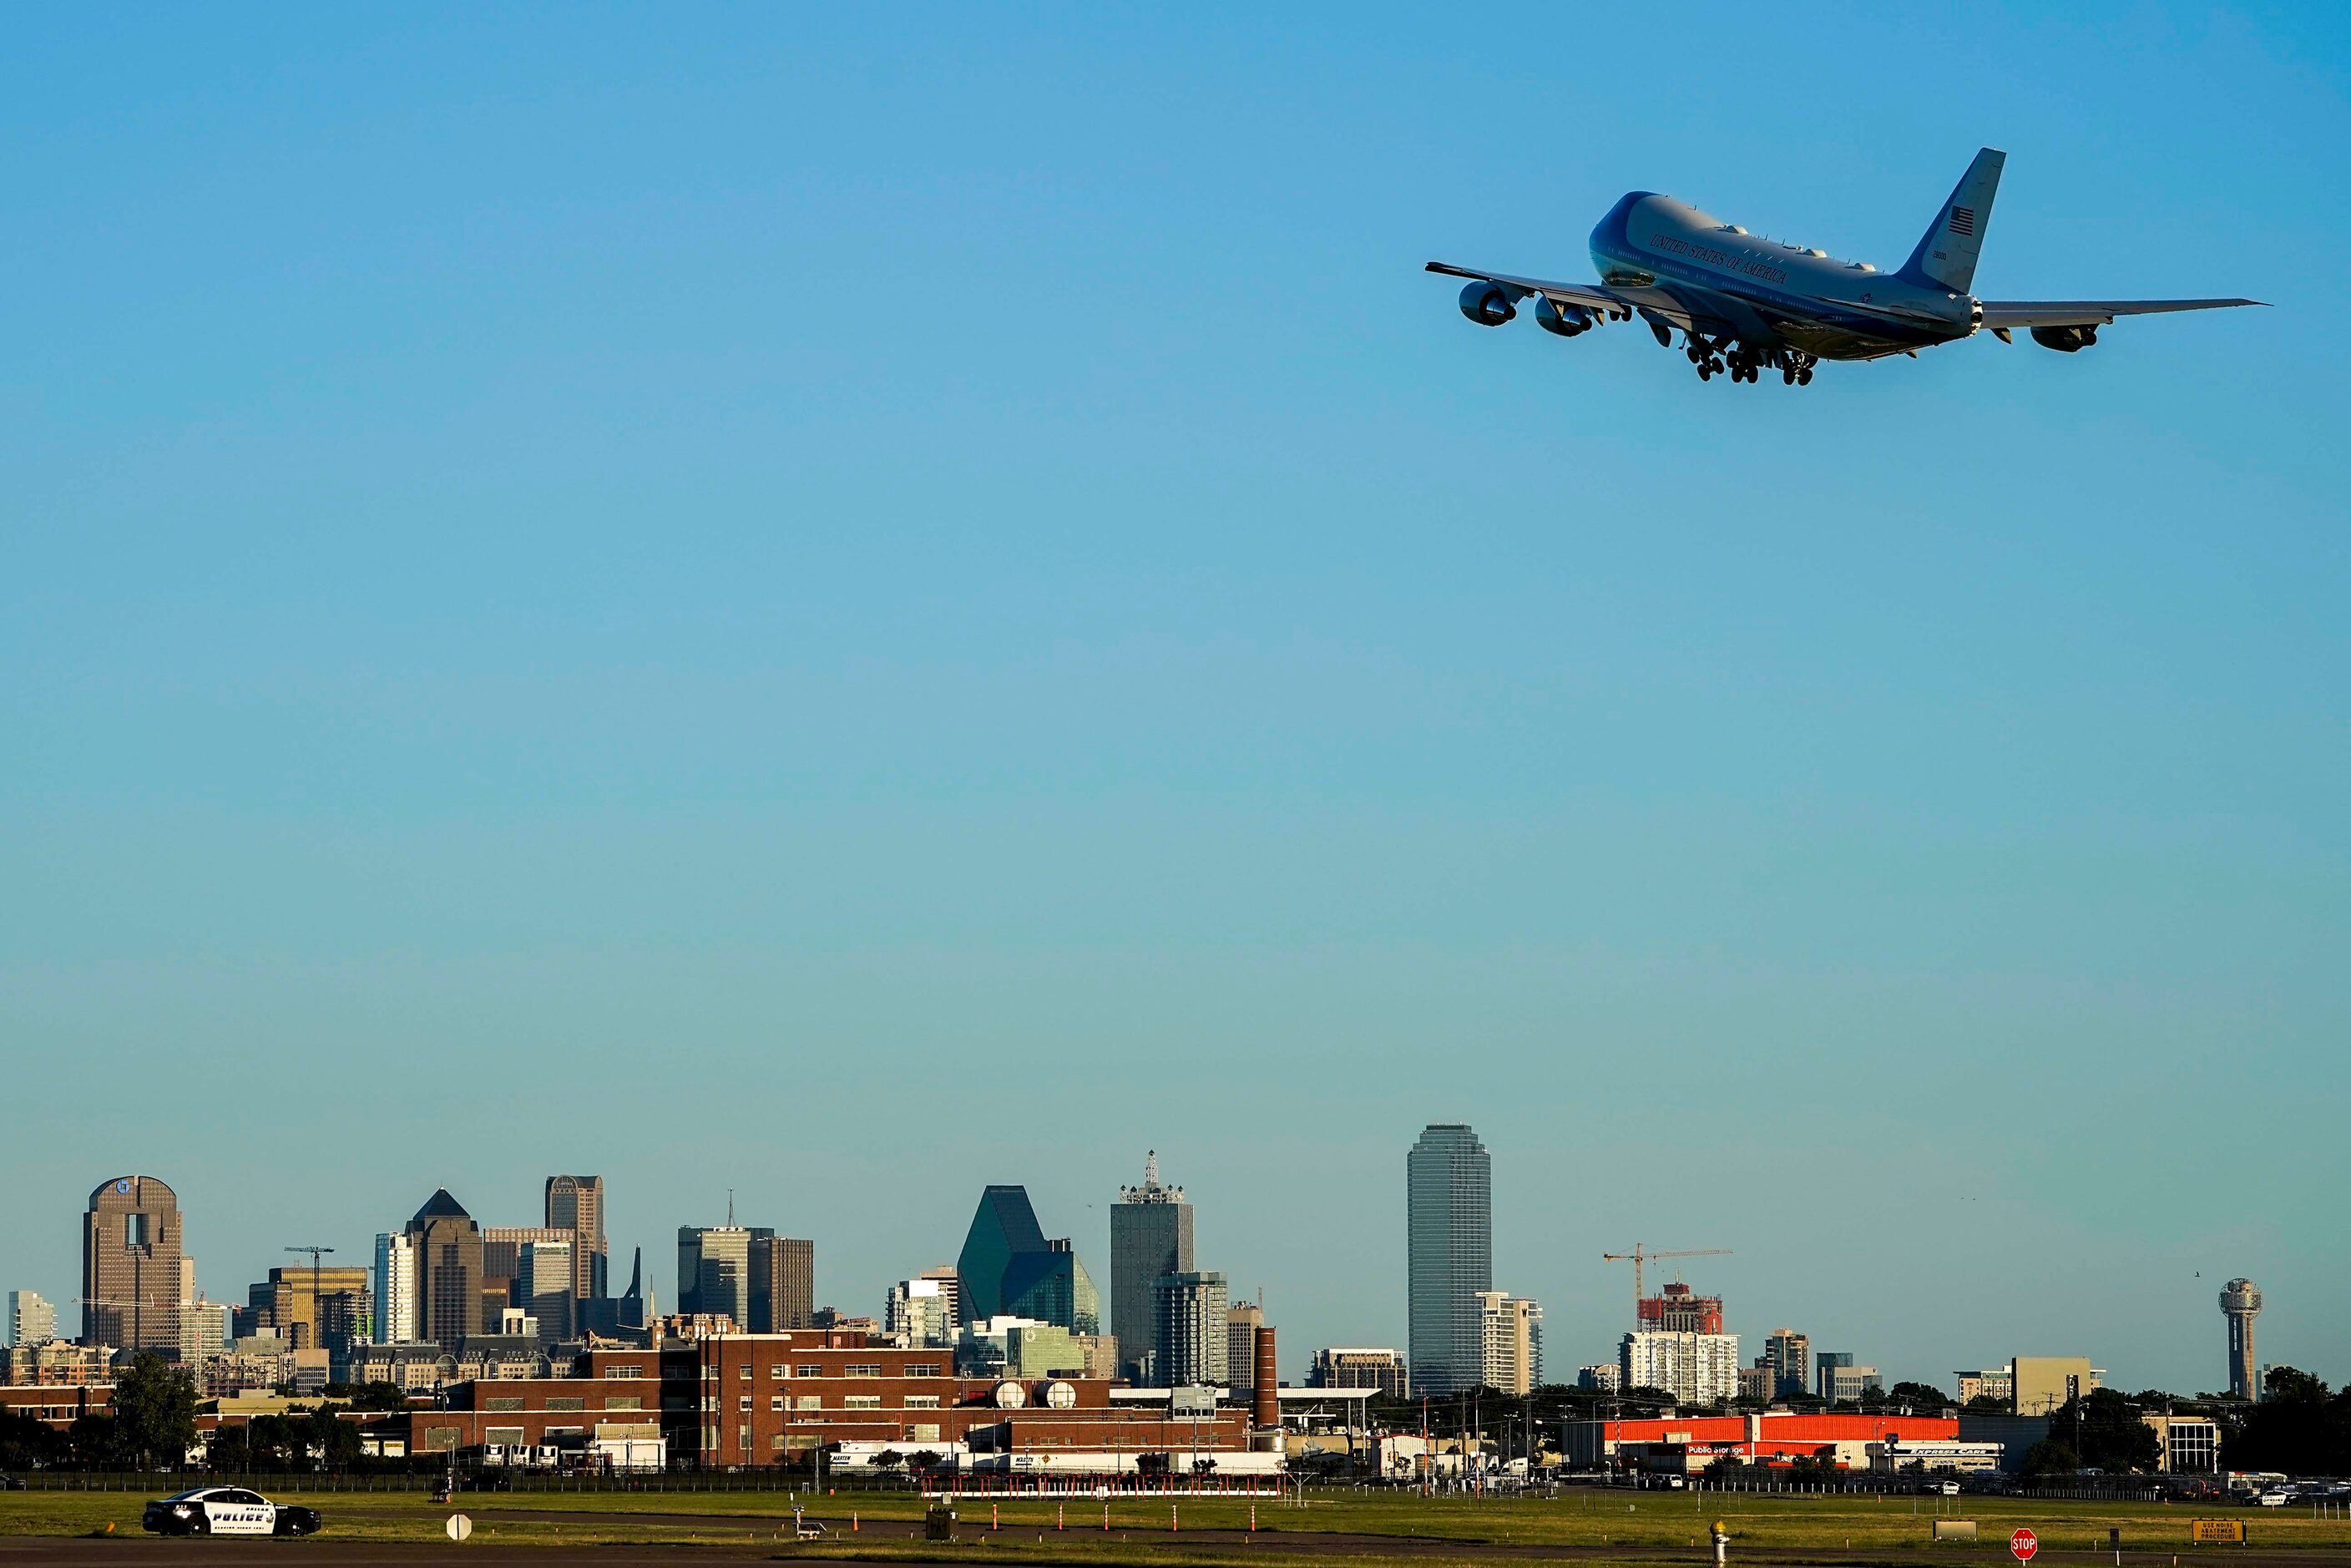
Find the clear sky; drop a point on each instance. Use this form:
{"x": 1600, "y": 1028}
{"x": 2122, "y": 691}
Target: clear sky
{"x": 850, "y": 606}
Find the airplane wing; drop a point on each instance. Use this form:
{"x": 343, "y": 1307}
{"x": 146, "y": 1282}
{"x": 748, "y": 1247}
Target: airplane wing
{"x": 1591, "y": 295}
{"x": 2017, "y": 314}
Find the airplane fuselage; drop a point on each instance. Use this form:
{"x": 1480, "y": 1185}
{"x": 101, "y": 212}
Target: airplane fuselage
{"x": 1687, "y": 269}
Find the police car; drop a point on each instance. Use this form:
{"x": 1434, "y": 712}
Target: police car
{"x": 227, "y": 1510}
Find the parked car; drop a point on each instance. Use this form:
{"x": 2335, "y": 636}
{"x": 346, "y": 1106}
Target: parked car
{"x": 11, "y": 1483}
{"x": 227, "y": 1510}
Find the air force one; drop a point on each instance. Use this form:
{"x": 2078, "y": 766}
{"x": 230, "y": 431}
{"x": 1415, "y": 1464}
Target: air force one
{"x": 1745, "y": 305}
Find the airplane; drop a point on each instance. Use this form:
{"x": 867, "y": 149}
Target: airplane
{"x": 1746, "y": 304}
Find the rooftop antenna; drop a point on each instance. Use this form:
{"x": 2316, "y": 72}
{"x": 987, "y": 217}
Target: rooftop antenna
{"x": 1151, "y": 1168}
{"x": 730, "y": 1208}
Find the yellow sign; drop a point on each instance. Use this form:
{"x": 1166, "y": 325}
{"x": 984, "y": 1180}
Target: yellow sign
{"x": 2230, "y": 1531}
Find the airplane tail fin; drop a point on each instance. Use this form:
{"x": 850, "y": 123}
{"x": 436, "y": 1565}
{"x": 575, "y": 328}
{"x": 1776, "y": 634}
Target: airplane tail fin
{"x": 1946, "y": 256}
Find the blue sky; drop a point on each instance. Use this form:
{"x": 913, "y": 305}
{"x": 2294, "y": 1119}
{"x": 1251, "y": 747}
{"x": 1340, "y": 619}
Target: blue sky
{"x": 850, "y": 607}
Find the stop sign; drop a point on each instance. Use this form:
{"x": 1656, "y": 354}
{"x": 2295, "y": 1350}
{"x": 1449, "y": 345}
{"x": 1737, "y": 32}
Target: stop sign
{"x": 2025, "y": 1543}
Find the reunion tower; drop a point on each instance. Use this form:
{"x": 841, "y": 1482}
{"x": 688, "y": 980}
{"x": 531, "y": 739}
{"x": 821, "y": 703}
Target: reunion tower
{"x": 2240, "y": 1300}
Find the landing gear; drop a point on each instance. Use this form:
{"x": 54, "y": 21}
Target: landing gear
{"x": 1705, "y": 355}
{"x": 1745, "y": 363}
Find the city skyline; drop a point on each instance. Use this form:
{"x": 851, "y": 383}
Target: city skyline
{"x": 443, "y": 1209}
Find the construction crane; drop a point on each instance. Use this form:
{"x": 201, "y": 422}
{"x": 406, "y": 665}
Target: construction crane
{"x": 1639, "y": 1256}
{"x": 317, "y": 1308}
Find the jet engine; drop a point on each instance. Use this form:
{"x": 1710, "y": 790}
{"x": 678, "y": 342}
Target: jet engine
{"x": 1564, "y": 320}
{"x": 1489, "y": 304}
{"x": 2065, "y": 340}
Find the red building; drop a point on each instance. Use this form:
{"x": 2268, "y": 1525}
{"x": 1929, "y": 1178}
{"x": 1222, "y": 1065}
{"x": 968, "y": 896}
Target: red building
{"x": 1689, "y": 1444}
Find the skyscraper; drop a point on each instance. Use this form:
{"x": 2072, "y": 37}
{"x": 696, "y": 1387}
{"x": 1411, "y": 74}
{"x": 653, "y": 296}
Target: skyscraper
{"x": 543, "y": 1283}
{"x": 448, "y": 1248}
{"x": 576, "y": 1203}
{"x": 1150, "y": 1235}
{"x": 1190, "y": 1311}
{"x": 1449, "y": 1246}
{"x": 32, "y": 1318}
{"x": 396, "y": 1313}
{"x": 713, "y": 1272}
{"x": 1009, "y": 1269}
{"x": 130, "y": 1266}
{"x": 783, "y": 1281}
{"x": 2240, "y": 1300}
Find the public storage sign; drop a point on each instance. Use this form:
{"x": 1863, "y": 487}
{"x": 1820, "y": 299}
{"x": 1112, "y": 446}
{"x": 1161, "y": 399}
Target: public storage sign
{"x": 2218, "y": 1531}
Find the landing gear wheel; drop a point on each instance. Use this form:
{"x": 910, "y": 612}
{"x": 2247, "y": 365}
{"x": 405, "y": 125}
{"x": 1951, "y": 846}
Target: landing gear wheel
{"x": 1804, "y": 377}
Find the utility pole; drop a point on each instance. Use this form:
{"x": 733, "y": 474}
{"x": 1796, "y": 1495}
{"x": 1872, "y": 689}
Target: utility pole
{"x": 317, "y": 1310}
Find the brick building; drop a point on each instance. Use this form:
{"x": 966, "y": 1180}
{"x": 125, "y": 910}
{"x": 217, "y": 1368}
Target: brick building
{"x": 736, "y": 1401}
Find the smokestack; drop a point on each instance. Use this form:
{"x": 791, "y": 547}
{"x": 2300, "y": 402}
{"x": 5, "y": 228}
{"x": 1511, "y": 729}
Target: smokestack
{"x": 1266, "y": 1402}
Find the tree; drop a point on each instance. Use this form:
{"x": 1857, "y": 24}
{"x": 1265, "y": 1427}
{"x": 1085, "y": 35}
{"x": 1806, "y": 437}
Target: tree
{"x": 2112, "y": 1436}
{"x": 2050, "y": 1457}
{"x": 1919, "y": 1395}
{"x": 2297, "y": 1428}
{"x": 231, "y": 1449}
{"x": 96, "y": 1442}
{"x": 925, "y": 1458}
{"x": 273, "y": 1443}
{"x": 335, "y": 1440}
{"x": 378, "y": 1396}
{"x": 888, "y": 1460}
{"x": 1987, "y": 1405}
{"x": 28, "y": 1443}
{"x": 155, "y": 1403}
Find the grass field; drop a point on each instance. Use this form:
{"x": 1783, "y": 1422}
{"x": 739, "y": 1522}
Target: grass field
{"x": 1650, "y": 1525}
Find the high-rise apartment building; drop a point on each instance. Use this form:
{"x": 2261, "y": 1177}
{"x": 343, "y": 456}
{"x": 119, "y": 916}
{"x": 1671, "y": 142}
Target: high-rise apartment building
{"x": 713, "y": 1272}
{"x": 449, "y": 1273}
{"x": 1010, "y": 1268}
{"x": 130, "y": 1266}
{"x": 2240, "y": 1300}
{"x": 1788, "y": 1356}
{"x": 1242, "y": 1320}
{"x": 1509, "y": 1341}
{"x": 396, "y": 1312}
{"x": 1695, "y": 1368}
{"x": 576, "y": 1203}
{"x": 1450, "y": 1247}
{"x": 1150, "y": 1235}
{"x": 783, "y": 1281}
{"x": 1189, "y": 1312}
{"x": 32, "y": 1318}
